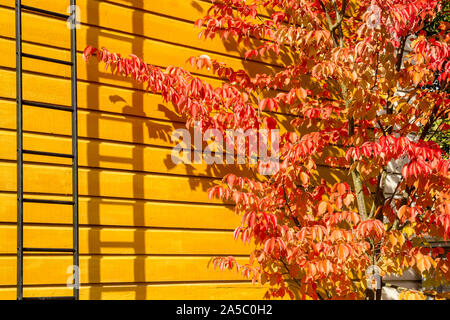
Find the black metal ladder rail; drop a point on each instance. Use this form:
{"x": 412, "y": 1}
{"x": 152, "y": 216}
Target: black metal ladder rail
{"x": 20, "y": 151}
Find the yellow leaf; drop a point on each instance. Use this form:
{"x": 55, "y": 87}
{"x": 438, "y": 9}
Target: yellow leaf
{"x": 392, "y": 239}
{"x": 412, "y": 295}
{"x": 400, "y": 239}
{"x": 417, "y": 78}
{"x": 408, "y": 231}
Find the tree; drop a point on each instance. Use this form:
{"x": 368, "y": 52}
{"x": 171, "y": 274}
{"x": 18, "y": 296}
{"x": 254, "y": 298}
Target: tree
{"x": 362, "y": 102}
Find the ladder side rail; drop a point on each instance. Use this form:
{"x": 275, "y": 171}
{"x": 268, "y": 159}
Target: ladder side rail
{"x": 73, "y": 39}
{"x": 19, "y": 133}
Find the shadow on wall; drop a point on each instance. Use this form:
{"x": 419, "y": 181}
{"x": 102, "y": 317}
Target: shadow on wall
{"x": 142, "y": 128}
{"x": 95, "y": 243}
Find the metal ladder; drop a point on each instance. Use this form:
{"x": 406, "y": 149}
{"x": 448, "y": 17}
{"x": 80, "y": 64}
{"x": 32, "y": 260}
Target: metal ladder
{"x": 21, "y": 151}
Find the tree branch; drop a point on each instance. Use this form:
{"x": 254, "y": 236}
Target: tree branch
{"x": 400, "y": 54}
{"x": 379, "y": 197}
{"x": 429, "y": 123}
{"x": 289, "y": 207}
{"x": 357, "y": 183}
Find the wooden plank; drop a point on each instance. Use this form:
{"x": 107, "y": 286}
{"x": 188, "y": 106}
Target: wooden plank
{"x": 114, "y": 240}
{"x": 105, "y": 98}
{"x": 190, "y": 10}
{"x": 107, "y": 155}
{"x": 186, "y": 10}
{"x": 119, "y": 212}
{"x": 93, "y": 125}
{"x": 124, "y": 156}
{"x": 185, "y": 291}
{"x": 96, "y": 125}
{"x": 125, "y": 20}
{"x": 105, "y": 183}
{"x": 183, "y": 10}
{"x": 103, "y": 269}
{"x": 93, "y": 96}
{"x": 92, "y": 70}
{"x": 157, "y": 53}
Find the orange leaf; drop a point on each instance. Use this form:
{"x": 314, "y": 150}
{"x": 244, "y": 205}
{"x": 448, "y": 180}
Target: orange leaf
{"x": 402, "y": 213}
{"x": 322, "y": 208}
{"x": 343, "y": 252}
{"x": 304, "y": 177}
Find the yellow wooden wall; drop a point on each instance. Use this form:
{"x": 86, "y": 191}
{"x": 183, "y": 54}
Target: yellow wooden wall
{"x": 147, "y": 228}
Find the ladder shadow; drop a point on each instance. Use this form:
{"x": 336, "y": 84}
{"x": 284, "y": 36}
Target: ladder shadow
{"x": 94, "y": 156}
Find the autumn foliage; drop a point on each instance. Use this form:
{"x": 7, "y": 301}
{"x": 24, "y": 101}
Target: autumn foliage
{"x": 363, "y": 83}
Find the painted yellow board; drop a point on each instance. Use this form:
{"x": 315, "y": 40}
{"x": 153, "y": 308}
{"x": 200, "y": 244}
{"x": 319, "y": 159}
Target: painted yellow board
{"x": 186, "y": 10}
{"x": 174, "y": 8}
{"x": 157, "y": 53}
{"x": 103, "y": 269}
{"x": 184, "y": 291}
{"x": 105, "y": 126}
{"x": 107, "y": 183}
{"x": 115, "y": 240}
{"x": 104, "y": 98}
{"x": 102, "y": 154}
{"x": 183, "y": 10}
{"x": 121, "y": 212}
{"x": 133, "y": 23}
{"x": 40, "y": 87}
{"x": 108, "y": 155}
{"x": 92, "y": 96}
{"x": 91, "y": 71}
{"x": 122, "y": 184}
{"x": 115, "y": 127}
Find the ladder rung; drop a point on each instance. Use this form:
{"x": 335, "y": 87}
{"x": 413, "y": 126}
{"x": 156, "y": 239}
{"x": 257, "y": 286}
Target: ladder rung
{"x": 47, "y": 250}
{"x": 49, "y": 201}
{"x": 33, "y": 56}
{"x": 50, "y": 13}
{"x": 48, "y": 298}
{"x": 49, "y": 154}
{"x": 46, "y": 105}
